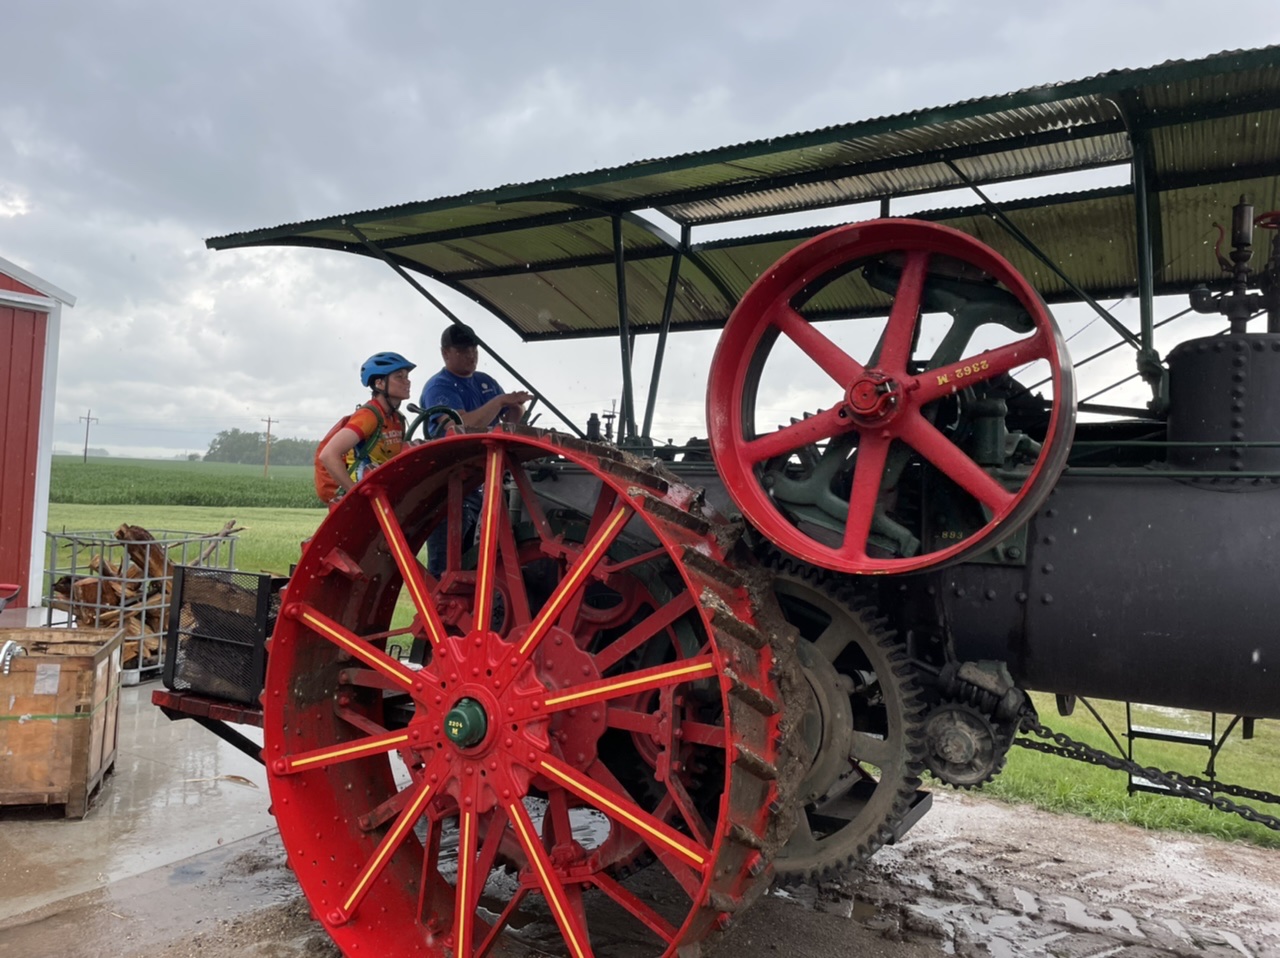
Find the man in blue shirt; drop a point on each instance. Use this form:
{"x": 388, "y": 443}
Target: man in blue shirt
{"x": 479, "y": 401}
{"x": 476, "y": 397}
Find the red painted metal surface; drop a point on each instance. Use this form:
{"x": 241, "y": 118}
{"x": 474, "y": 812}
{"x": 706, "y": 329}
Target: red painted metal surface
{"x": 570, "y": 722}
{"x": 22, "y": 352}
{"x": 198, "y": 706}
{"x": 881, "y": 400}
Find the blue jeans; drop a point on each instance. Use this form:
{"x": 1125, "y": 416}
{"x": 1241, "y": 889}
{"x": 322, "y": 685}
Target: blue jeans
{"x": 438, "y": 541}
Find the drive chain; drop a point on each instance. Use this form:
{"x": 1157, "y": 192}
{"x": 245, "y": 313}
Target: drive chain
{"x": 1182, "y": 786}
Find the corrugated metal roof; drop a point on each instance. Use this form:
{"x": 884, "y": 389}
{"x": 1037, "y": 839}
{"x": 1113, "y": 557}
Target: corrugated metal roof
{"x": 540, "y": 255}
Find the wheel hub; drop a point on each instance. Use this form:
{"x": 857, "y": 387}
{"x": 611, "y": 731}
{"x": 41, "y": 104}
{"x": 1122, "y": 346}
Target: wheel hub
{"x": 466, "y": 725}
{"x": 873, "y": 397}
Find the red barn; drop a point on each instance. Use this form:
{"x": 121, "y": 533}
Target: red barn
{"x": 30, "y": 320}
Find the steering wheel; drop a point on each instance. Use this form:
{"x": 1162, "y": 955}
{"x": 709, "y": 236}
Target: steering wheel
{"x": 434, "y": 426}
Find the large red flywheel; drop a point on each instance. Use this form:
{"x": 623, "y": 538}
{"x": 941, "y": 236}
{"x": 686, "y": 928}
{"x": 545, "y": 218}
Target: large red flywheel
{"x": 587, "y": 752}
{"x": 878, "y": 439}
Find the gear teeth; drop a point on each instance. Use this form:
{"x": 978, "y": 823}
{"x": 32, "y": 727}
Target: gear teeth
{"x": 876, "y": 823}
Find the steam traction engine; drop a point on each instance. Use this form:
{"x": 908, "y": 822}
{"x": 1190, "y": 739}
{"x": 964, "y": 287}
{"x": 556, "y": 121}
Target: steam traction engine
{"x": 613, "y": 678}
{"x": 648, "y": 682}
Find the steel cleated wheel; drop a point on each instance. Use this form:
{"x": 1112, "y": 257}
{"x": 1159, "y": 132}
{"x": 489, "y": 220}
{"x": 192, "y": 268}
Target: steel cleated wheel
{"x": 865, "y": 726}
{"x": 580, "y": 708}
{"x": 909, "y": 389}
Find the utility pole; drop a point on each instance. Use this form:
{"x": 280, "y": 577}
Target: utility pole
{"x": 87, "y": 420}
{"x": 266, "y": 463}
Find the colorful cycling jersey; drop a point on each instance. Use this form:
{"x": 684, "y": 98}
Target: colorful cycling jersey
{"x": 364, "y": 422}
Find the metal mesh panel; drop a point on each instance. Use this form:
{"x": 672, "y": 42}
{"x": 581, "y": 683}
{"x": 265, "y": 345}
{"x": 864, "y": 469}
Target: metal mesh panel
{"x": 216, "y": 640}
{"x": 124, "y": 580}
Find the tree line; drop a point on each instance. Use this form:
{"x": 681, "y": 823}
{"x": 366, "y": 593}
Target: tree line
{"x": 234, "y": 445}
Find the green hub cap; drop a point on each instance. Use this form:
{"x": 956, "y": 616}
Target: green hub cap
{"x": 466, "y": 723}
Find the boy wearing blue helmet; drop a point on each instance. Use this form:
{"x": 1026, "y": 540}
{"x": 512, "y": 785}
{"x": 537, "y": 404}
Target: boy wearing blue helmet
{"x": 374, "y": 432}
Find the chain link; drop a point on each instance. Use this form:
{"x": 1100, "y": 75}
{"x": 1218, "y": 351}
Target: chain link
{"x": 1183, "y": 786}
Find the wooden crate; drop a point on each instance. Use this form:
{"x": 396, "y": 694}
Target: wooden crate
{"x": 59, "y": 713}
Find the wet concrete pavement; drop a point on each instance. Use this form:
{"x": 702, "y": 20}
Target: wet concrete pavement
{"x": 179, "y": 857}
{"x": 176, "y": 790}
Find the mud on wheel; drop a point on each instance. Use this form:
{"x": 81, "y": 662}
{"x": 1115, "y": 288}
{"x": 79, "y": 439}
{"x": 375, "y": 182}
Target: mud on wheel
{"x": 863, "y": 724}
{"x": 547, "y": 742}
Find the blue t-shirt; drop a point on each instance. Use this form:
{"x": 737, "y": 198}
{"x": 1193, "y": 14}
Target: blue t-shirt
{"x": 463, "y": 394}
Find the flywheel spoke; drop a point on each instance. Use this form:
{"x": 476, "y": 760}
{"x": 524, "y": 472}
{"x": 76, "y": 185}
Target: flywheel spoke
{"x": 947, "y": 379}
{"x": 833, "y": 360}
{"x": 899, "y": 334}
{"x": 868, "y": 474}
{"x": 924, "y": 438}
{"x": 811, "y": 429}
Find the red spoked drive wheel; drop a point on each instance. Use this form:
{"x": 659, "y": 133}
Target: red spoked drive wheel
{"x": 896, "y": 470}
{"x": 586, "y": 705}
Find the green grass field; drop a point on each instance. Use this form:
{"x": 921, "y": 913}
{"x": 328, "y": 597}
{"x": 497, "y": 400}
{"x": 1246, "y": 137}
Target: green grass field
{"x": 163, "y": 482}
{"x": 278, "y": 513}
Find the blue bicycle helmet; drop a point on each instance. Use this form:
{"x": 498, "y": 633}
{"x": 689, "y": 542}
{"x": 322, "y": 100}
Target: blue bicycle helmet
{"x": 382, "y": 364}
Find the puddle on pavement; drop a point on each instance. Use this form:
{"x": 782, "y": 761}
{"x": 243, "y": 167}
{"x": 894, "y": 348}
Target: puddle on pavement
{"x": 175, "y": 790}
{"x": 157, "y": 906}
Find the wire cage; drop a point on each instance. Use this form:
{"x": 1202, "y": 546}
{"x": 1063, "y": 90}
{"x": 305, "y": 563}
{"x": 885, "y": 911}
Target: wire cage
{"x": 217, "y": 633}
{"x": 124, "y": 580}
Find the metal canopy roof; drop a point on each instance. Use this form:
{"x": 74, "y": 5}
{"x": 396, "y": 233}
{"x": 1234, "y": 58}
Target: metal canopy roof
{"x": 541, "y": 256}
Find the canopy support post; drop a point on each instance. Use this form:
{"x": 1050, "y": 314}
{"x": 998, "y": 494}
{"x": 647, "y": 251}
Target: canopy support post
{"x": 1149, "y": 365}
{"x": 404, "y": 274}
{"x": 668, "y": 306}
{"x": 627, "y": 421}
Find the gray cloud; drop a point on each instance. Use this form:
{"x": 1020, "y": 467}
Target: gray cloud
{"x": 130, "y": 131}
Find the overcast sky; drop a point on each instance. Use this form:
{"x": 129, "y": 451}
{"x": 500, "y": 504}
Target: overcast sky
{"x": 132, "y": 131}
